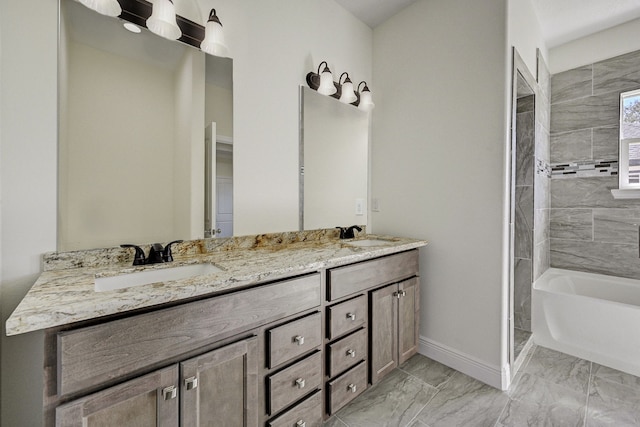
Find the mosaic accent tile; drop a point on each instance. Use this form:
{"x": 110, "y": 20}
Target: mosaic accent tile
{"x": 571, "y": 84}
{"x": 584, "y": 169}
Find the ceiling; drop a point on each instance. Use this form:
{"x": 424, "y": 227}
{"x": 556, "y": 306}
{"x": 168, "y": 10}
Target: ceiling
{"x": 560, "y": 20}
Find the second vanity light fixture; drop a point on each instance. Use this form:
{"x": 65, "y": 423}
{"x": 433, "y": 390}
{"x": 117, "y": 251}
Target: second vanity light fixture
{"x": 160, "y": 17}
{"x": 323, "y": 83}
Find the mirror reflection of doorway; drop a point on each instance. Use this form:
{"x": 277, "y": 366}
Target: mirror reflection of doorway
{"x": 224, "y": 207}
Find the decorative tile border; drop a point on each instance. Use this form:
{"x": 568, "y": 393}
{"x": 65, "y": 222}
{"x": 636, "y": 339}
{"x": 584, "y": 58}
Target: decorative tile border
{"x": 584, "y": 169}
{"x": 543, "y": 168}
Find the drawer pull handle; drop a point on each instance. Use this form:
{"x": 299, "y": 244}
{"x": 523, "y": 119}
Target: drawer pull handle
{"x": 191, "y": 383}
{"x": 301, "y": 424}
{"x": 351, "y": 353}
{"x": 299, "y": 339}
{"x": 400, "y": 294}
{"x": 351, "y": 316}
{"x": 352, "y": 388}
{"x": 300, "y": 383}
{"x": 170, "y": 392}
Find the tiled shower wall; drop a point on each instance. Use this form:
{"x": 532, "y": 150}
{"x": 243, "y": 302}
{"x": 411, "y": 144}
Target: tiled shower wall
{"x": 542, "y": 181}
{"x": 590, "y": 230}
{"x": 531, "y": 248}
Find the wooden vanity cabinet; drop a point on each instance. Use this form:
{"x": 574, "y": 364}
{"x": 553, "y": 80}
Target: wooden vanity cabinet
{"x": 393, "y": 326}
{"x": 218, "y": 388}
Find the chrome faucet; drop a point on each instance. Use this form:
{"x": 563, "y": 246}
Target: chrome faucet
{"x": 157, "y": 253}
{"x": 348, "y": 232}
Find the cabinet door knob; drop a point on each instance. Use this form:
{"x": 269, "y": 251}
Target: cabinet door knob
{"x": 351, "y": 316}
{"x": 300, "y": 383}
{"x": 301, "y": 424}
{"x": 403, "y": 293}
{"x": 299, "y": 339}
{"x": 170, "y": 392}
{"x": 352, "y": 388}
{"x": 191, "y": 383}
{"x": 351, "y": 353}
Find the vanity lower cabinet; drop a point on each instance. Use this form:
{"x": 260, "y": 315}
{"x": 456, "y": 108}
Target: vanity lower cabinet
{"x": 284, "y": 354}
{"x": 215, "y": 388}
{"x": 355, "y": 322}
{"x": 394, "y": 326}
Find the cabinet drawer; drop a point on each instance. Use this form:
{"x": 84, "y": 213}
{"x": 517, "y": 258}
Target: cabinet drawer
{"x": 294, "y": 382}
{"x": 294, "y": 338}
{"x": 307, "y": 413}
{"x": 347, "y": 351}
{"x": 347, "y": 316}
{"x": 347, "y": 387}
{"x": 354, "y": 278}
{"x": 97, "y": 354}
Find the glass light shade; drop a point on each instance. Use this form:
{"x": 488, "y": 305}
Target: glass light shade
{"x": 366, "y": 103}
{"x": 104, "y": 7}
{"x": 213, "y": 42}
{"x": 348, "y": 95}
{"x": 326, "y": 83}
{"x": 163, "y": 20}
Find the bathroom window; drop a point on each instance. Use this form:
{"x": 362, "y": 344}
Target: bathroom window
{"x": 629, "y": 165}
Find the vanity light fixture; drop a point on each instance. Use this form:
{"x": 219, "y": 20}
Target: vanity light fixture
{"x": 322, "y": 81}
{"x": 213, "y": 42}
{"x": 347, "y": 95}
{"x": 104, "y": 7}
{"x": 163, "y": 20}
{"x": 365, "y": 102}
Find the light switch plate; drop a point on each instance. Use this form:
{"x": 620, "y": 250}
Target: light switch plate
{"x": 375, "y": 204}
{"x": 359, "y": 206}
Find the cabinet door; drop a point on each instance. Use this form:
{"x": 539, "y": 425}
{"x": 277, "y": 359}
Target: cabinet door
{"x": 148, "y": 401}
{"x": 220, "y": 388}
{"x": 408, "y": 315}
{"x": 383, "y": 327}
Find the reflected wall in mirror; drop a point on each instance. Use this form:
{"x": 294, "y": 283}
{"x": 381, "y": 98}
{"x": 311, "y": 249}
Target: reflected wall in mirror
{"x": 133, "y": 109}
{"x": 334, "y": 151}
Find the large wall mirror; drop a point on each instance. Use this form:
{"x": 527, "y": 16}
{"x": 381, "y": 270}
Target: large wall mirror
{"x": 136, "y": 115}
{"x": 334, "y": 157}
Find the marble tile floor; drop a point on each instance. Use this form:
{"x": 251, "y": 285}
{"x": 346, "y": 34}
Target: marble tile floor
{"x": 520, "y": 338}
{"x": 551, "y": 389}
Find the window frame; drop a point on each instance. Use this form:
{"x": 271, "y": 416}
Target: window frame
{"x": 623, "y": 147}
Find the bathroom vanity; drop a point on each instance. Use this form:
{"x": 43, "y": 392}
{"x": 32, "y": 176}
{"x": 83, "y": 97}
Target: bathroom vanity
{"x": 284, "y": 334}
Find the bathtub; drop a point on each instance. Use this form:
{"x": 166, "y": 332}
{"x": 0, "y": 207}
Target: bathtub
{"x": 591, "y": 316}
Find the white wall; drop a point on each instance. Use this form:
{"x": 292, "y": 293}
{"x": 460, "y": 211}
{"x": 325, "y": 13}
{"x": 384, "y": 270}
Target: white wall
{"x": 596, "y": 47}
{"x": 438, "y": 167}
{"x": 28, "y": 175}
{"x": 219, "y": 109}
{"x": 524, "y": 32}
{"x": 269, "y": 65}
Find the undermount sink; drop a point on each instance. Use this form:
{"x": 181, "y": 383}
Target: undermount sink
{"x": 147, "y": 277}
{"x": 370, "y": 242}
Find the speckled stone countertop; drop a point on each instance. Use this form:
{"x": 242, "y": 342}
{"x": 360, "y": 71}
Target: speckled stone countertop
{"x": 64, "y": 293}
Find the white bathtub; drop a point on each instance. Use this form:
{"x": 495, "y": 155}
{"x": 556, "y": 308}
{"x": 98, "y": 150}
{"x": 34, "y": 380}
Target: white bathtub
{"x": 591, "y": 316}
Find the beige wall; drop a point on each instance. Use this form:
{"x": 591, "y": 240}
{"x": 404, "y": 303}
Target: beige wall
{"x": 440, "y": 165}
{"x": 219, "y": 109}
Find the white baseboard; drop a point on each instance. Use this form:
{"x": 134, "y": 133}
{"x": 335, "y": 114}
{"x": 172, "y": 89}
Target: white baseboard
{"x": 468, "y": 365}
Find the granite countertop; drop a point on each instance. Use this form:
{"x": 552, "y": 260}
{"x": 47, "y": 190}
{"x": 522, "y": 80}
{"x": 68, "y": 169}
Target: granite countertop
{"x": 66, "y": 295}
